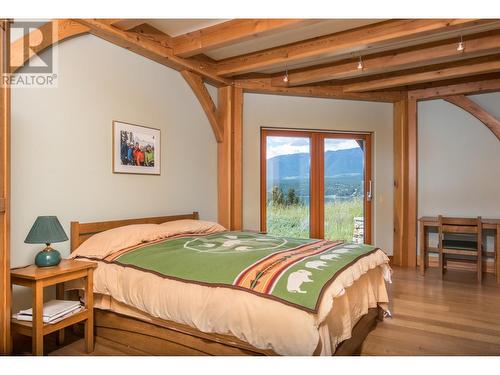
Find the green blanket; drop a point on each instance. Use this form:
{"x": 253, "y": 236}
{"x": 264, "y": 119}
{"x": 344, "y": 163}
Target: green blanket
{"x": 292, "y": 271}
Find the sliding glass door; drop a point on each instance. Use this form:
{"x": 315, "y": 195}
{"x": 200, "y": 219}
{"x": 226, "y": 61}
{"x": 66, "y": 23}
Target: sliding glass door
{"x": 316, "y": 184}
{"x": 344, "y": 193}
{"x": 287, "y": 184}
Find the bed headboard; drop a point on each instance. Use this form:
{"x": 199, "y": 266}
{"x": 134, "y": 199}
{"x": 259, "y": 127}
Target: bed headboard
{"x": 80, "y": 232}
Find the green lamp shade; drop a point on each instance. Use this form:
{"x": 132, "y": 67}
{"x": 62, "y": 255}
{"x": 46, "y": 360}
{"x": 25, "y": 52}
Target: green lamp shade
{"x": 46, "y": 229}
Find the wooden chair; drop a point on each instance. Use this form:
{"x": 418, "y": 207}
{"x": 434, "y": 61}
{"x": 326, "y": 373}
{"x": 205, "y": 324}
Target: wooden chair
{"x": 466, "y": 249}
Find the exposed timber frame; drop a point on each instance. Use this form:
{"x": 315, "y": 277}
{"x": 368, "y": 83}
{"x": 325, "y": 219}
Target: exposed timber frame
{"x": 369, "y": 39}
{"x": 200, "y": 90}
{"x": 415, "y": 78}
{"x": 226, "y": 120}
{"x": 405, "y": 182}
{"x": 469, "y": 88}
{"x": 477, "y": 111}
{"x": 387, "y": 47}
{"x": 434, "y": 53}
{"x": 152, "y": 49}
{"x": 265, "y": 86}
{"x": 230, "y": 158}
{"x": 45, "y": 37}
{"x": 406, "y": 156}
{"x": 230, "y": 32}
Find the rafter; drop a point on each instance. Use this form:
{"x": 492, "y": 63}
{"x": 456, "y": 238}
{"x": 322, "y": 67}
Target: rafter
{"x": 368, "y": 39}
{"x": 152, "y": 33}
{"x": 127, "y": 23}
{"x": 200, "y": 91}
{"x": 476, "y": 46}
{"x": 477, "y": 111}
{"x": 477, "y": 87}
{"x": 428, "y": 76}
{"x": 42, "y": 38}
{"x": 263, "y": 85}
{"x": 230, "y": 32}
{"x": 152, "y": 49}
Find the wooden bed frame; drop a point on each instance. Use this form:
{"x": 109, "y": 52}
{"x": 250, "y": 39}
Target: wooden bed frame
{"x": 162, "y": 337}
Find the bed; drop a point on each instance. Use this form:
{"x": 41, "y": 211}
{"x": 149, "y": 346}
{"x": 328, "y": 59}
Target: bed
{"x": 145, "y": 301}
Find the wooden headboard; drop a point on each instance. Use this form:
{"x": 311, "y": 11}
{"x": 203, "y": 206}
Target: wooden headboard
{"x": 80, "y": 232}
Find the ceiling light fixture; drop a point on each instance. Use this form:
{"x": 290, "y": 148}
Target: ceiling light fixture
{"x": 285, "y": 77}
{"x": 461, "y": 46}
{"x": 360, "y": 64}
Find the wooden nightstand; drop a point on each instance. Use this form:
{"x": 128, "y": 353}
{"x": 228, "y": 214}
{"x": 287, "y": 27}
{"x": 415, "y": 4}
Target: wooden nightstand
{"x": 37, "y": 278}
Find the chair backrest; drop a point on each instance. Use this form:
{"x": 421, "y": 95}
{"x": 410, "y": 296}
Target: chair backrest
{"x": 460, "y": 226}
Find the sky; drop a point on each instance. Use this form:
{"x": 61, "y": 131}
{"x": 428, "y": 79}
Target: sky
{"x": 292, "y": 145}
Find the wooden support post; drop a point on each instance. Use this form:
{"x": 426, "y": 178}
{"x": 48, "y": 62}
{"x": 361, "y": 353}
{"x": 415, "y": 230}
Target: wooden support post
{"x": 400, "y": 130}
{"x": 412, "y": 188}
{"x": 405, "y": 183}
{"x": 237, "y": 162}
{"x": 230, "y": 158}
{"x": 5, "y": 289}
{"x": 224, "y": 157}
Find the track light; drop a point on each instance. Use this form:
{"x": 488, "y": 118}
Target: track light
{"x": 461, "y": 46}
{"x": 285, "y": 77}
{"x": 360, "y": 64}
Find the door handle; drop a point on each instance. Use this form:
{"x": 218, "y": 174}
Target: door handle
{"x": 369, "y": 194}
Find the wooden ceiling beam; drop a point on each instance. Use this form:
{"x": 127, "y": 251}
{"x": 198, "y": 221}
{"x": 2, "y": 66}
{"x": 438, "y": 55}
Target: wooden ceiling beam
{"x": 127, "y": 23}
{"x": 231, "y": 32}
{"x": 478, "y": 87}
{"x": 47, "y": 35}
{"x": 200, "y": 91}
{"x": 477, "y": 111}
{"x": 264, "y": 86}
{"x": 475, "y": 46}
{"x": 368, "y": 39}
{"x": 427, "y": 76}
{"x": 152, "y": 49}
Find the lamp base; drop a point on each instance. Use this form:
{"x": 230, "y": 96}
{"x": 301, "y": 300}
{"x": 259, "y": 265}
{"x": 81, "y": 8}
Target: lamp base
{"x": 48, "y": 258}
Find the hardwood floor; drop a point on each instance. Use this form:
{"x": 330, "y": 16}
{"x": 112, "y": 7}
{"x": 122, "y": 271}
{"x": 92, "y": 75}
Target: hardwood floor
{"x": 455, "y": 316}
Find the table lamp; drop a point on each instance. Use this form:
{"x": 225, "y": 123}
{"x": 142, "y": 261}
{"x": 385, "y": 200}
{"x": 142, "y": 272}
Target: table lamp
{"x": 47, "y": 230}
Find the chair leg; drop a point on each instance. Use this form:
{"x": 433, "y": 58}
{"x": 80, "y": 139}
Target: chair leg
{"x": 441, "y": 264}
{"x": 422, "y": 262}
{"x": 480, "y": 270}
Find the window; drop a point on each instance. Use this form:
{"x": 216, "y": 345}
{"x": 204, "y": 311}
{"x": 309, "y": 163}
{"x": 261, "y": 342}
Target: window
{"x": 316, "y": 184}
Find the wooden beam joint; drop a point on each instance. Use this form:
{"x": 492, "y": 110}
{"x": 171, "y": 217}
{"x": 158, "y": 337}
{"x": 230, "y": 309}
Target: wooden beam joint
{"x": 153, "y": 49}
{"x": 200, "y": 90}
{"x": 477, "y": 111}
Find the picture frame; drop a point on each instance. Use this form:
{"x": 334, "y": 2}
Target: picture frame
{"x": 136, "y": 149}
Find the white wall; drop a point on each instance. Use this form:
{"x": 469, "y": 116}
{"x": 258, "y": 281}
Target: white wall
{"x": 61, "y": 144}
{"x": 312, "y": 113}
{"x": 459, "y": 160}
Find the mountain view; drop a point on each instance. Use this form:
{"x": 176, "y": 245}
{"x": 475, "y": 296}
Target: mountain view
{"x": 343, "y": 173}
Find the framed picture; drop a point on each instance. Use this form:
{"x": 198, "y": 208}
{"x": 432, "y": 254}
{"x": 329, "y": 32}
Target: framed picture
{"x": 136, "y": 149}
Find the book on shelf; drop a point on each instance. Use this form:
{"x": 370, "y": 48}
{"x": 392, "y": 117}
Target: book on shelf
{"x": 53, "y": 311}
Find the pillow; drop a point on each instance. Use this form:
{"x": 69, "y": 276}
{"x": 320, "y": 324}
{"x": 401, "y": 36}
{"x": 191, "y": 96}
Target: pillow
{"x": 189, "y": 226}
{"x": 105, "y": 243}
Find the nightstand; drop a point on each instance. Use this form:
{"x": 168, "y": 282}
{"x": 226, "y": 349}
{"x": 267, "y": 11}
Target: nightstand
{"x": 37, "y": 278}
